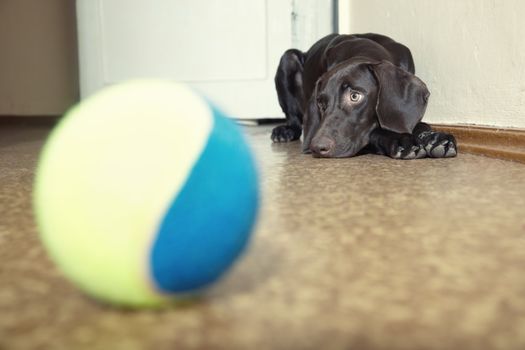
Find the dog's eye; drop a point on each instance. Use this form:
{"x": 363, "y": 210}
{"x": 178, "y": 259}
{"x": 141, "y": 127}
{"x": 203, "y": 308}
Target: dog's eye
{"x": 355, "y": 96}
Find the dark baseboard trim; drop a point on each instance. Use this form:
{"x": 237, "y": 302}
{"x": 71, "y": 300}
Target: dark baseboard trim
{"x": 501, "y": 143}
{"x": 47, "y": 120}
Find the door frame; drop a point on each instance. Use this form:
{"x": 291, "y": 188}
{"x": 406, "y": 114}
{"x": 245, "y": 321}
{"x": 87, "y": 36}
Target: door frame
{"x": 305, "y": 13}
{"x": 342, "y": 16}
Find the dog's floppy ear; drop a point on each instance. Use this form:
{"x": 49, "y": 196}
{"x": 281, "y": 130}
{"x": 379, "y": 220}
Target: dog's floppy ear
{"x": 312, "y": 120}
{"x": 401, "y": 99}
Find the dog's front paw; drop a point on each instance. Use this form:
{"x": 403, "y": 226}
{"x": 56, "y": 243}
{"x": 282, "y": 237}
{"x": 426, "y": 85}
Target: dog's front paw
{"x": 438, "y": 144}
{"x": 405, "y": 147}
{"x": 286, "y": 133}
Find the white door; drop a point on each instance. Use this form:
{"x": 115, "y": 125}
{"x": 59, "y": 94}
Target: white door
{"x": 227, "y": 49}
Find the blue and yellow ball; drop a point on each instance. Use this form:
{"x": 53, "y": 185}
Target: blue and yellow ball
{"x": 144, "y": 193}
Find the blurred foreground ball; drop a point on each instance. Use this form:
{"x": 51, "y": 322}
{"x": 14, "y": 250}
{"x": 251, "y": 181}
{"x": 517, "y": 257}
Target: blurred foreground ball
{"x": 145, "y": 192}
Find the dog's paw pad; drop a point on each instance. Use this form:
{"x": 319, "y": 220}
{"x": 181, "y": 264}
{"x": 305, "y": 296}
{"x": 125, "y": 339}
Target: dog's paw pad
{"x": 439, "y": 145}
{"x": 451, "y": 151}
{"x": 411, "y": 153}
{"x": 286, "y": 133}
{"x": 439, "y": 150}
{"x": 397, "y": 153}
{"x": 416, "y": 152}
{"x": 445, "y": 149}
{"x": 421, "y": 153}
{"x": 407, "y": 152}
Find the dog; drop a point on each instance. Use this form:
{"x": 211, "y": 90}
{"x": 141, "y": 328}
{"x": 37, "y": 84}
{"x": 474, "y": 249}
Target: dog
{"x": 357, "y": 93}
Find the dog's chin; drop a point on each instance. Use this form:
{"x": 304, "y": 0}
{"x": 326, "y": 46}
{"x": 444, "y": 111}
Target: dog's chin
{"x": 351, "y": 151}
{"x": 345, "y": 155}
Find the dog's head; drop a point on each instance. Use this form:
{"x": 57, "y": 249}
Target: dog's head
{"x": 355, "y": 97}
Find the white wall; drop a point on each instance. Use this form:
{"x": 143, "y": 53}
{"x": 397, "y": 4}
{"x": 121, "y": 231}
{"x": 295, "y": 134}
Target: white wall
{"x": 471, "y": 53}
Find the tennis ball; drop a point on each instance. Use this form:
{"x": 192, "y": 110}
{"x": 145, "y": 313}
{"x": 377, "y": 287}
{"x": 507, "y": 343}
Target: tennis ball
{"x": 145, "y": 193}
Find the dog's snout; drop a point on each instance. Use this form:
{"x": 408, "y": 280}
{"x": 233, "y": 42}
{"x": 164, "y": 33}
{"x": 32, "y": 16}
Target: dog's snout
{"x": 323, "y": 147}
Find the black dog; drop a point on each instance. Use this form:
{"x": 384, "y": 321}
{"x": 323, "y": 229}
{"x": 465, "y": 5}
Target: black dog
{"x": 356, "y": 92}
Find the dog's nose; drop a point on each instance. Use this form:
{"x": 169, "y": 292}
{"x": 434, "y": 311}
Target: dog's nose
{"x": 323, "y": 146}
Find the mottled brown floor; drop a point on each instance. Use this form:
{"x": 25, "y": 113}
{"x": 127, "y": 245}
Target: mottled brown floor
{"x": 361, "y": 253}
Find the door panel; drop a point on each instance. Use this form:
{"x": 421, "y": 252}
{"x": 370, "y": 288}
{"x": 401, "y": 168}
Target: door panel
{"x": 226, "y": 49}
{"x": 181, "y": 44}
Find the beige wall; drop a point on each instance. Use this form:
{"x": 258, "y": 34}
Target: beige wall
{"x": 38, "y": 57}
{"x": 471, "y": 53}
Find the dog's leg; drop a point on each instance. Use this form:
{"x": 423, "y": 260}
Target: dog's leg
{"x": 423, "y": 142}
{"x": 289, "y": 85}
{"x": 394, "y": 145}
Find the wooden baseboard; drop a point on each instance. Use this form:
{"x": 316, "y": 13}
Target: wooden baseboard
{"x": 46, "y": 120}
{"x": 507, "y": 144}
